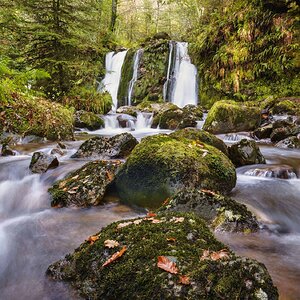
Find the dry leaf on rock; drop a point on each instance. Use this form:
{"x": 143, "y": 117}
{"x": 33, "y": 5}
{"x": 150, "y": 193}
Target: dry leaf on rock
{"x": 209, "y": 192}
{"x": 171, "y": 239}
{"x": 177, "y": 220}
{"x": 214, "y": 255}
{"x": 167, "y": 265}
{"x": 115, "y": 256}
{"x": 137, "y": 222}
{"x": 92, "y": 239}
{"x": 184, "y": 280}
{"x": 151, "y": 214}
{"x": 121, "y": 225}
{"x": 111, "y": 243}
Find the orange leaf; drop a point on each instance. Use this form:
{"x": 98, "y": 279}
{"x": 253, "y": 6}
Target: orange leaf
{"x": 151, "y": 214}
{"x": 109, "y": 175}
{"x": 115, "y": 256}
{"x": 164, "y": 263}
{"x": 166, "y": 202}
{"x": 184, "y": 280}
{"x": 171, "y": 239}
{"x": 219, "y": 254}
{"x": 209, "y": 192}
{"x": 92, "y": 239}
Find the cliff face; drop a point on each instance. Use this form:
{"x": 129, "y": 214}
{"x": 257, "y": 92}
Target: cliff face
{"x": 248, "y": 49}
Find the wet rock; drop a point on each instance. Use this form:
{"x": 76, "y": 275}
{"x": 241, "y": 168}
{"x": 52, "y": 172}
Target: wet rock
{"x": 245, "y": 152}
{"x": 125, "y": 120}
{"x": 279, "y": 134}
{"x": 41, "y": 162}
{"x": 10, "y": 139}
{"x": 286, "y": 107}
{"x": 281, "y": 172}
{"x": 33, "y": 139}
{"x": 201, "y": 136}
{"x": 176, "y": 118}
{"x": 61, "y": 145}
{"x": 221, "y": 213}
{"x": 212, "y": 270}
{"x": 128, "y": 110}
{"x": 7, "y": 151}
{"x": 230, "y": 116}
{"x": 57, "y": 151}
{"x": 118, "y": 146}
{"x": 162, "y": 165}
{"x": 86, "y": 186}
{"x": 194, "y": 110}
{"x": 263, "y": 132}
{"x": 89, "y": 120}
{"x": 292, "y": 142}
{"x": 152, "y": 107}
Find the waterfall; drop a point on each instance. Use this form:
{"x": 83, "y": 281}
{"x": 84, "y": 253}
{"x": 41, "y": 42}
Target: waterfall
{"x": 111, "y": 81}
{"x": 136, "y": 63}
{"x": 168, "y": 81}
{"x": 185, "y": 72}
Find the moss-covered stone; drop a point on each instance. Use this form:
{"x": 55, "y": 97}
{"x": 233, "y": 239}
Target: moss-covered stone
{"x": 181, "y": 237}
{"x": 41, "y": 162}
{"x": 230, "y": 116}
{"x": 263, "y": 132}
{"x": 86, "y": 186}
{"x": 89, "y": 120}
{"x": 118, "y": 146}
{"x": 292, "y": 142}
{"x": 221, "y": 213}
{"x": 128, "y": 110}
{"x": 162, "y": 165}
{"x": 287, "y": 107}
{"x": 201, "y": 136}
{"x": 246, "y": 152}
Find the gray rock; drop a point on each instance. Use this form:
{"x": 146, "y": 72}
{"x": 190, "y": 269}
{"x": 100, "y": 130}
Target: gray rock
{"x": 41, "y": 162}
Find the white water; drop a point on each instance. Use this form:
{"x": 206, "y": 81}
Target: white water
{"x": 111, "y": 81}
{"x": 185, "y": 73}
{"x": 166, "y": 85}
{"x": 136, "y": 64}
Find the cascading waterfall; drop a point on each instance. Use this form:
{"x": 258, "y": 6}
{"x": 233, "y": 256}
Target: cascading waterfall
{"x": 137, "y": 58}
{"x": 111, "y": 81}
{"x": 168, "y": 82}
{"x": 185, "y": 74}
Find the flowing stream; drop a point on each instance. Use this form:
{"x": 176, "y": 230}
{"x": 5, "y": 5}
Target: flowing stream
{"x": 33, "y": 235}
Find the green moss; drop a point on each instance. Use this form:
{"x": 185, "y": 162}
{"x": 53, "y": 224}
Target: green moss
{"x": 160, "y": 165}
{"x": 230, "y": 116}
{"x": 287, "y": 107}
{"x": 135, "y": 275}
{"x": 36, "y": 116}
{"x": 89, "y": 120}
{"x": 201, "y": 136}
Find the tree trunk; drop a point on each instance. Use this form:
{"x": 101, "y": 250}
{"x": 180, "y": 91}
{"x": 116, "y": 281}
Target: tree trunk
{"x": 114, "y": 14}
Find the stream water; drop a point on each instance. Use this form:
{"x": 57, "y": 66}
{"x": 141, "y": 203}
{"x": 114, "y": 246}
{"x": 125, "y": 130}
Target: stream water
{"x": 33, "y": 235}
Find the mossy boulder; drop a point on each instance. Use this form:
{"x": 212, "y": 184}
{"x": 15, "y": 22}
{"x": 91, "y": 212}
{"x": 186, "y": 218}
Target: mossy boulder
{"x": 246, "y": 152}
{"x": 6, "y": 151}
{"x": 230, "y": 116}
{"x": 287, "y": 107}
{"x": 41, "y": 162}
{"x": 263, "y": 132}
{"x": 128, "y": 110}
{"x": 86, "y": 186}
{"x": 203, "y": 268}
{"x": 292, "y": 142}
{"x": 162, "y": 165}
{"x": 89, "y": 120}
{"x": 221, "y": 213}
{"x": 118, "y": 146}
{"x": 201, "y": 136}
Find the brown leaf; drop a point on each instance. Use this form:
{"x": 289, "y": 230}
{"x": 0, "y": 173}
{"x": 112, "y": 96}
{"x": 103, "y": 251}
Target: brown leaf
{"x": 167, "y": 265}
{"x": 205, "y": 255}
{"x": 171, "y": 239}
{"x": 219, "y": 254}
{"x": 137, "y": 222}
{"x": 111, "y": 243}
{"x": 177, "y": 219}
{"x": 115, "y": 256}
{"x": 92, "y": 239}
{"x": 110, "y": 175}
{"x": 184, "y": 280}
{"x": 121, "y": 225}
{"x": 166, "y": 202}
{"x": 209, "y": 192}
{"x": 156, "y": 221}
{"x": 151, "y": 215}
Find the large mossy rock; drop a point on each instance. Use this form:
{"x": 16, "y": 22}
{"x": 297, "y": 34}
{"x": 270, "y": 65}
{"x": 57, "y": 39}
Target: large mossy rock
{"x": 89, "y": 120}
{"x": 201, "y": 136}
{"x": 41, "y": 162}
{"x": 203, "y": 268}
{"x": 86, "y": 186}
{"x": 292, "y": 142}
{"x": 230, "y": 116}
{"x": 221, "y": 213}
{"x": 286, "y": 106}
{"x": 162, "y": 165}
{"x": 118, "y": 146}
{"x": 246, "y": 152}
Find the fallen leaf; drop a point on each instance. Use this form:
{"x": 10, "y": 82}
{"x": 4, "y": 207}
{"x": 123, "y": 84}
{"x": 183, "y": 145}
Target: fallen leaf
{"x": 184, "y": 280}
{"x": 166, "y": 202}
{"x": 137, "y": 222}
{"x": 111, "y": 243}
{"x": 209, "y": 192}
{"x": 75, "y": 177}
{"x": 151, "y": 214}
{"x": 110, "y": 175}
{"x": 92, "y": 239}
{"x": 219, "y": 254}
{"x": 156, "y": 221}
{"x": 171, "y": 239}
{"x": 177, "y": 220}
{"x": 72, "y": 192}
{"x": 167, "y": 265}
{"x": 121, "y": 225}
{"x": 115, "y": 256}
{"x": 205, "y": 255}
